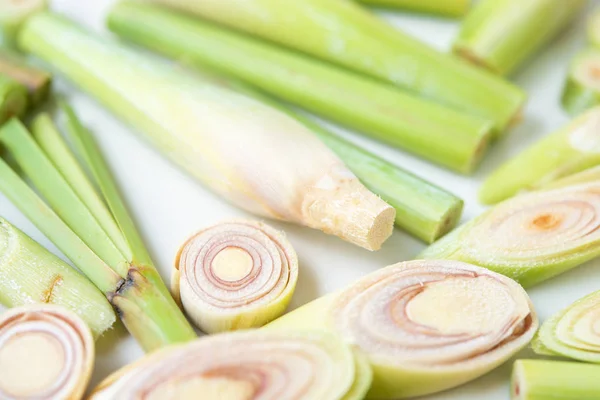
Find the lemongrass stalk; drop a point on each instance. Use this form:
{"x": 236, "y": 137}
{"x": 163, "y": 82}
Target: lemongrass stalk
{"x": 13, "y": 98}
{"x": 35, "y": 80}
{"x": 553, "y": 380}
{"x": 252, "y": 155}
{"x": 425, "y": 326}
{"x": 344, "y": 33}
{"x": 586, "y": 176}
{"x": 429, "y": 130}
{"x": 249, "y": 365}
{"x": 31, "y": 274}
{"x": 593, "y": 28}
{"x": 235, "y": 275}
{"x": 46, "y": 352}
{"x": 582, "y": 87}
{"x": 13, "y": 14}
{"x": 569, "y": 150}
{"x": 449, "y": 8}
{"x": 501, "y": 35}
{"x": 532, "y": 237}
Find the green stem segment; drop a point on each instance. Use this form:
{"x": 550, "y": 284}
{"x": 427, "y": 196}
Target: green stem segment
{"x": 582, "y": 88}
{"x": 434, "y": 132}
{"x": 449, "y": 8}
{"x": 554, "y": 380}
{"x": 13, "y": 14}
{"x": 342, "y": 32}
{"x": 35, "y": 80}
{"x": 593, "y": 28}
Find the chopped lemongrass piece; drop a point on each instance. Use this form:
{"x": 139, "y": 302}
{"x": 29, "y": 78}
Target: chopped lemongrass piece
{"x": 572, "y": 149}
{"x": 431, "y": 131}
{"x": 252, "y": 155}
{"x": 554, "y": 380}
{"x": 235, "y": 275}
{"x": 35, "y": 80}
{"x": 532, "y": 237}
{"x": 593, "y": 28}
{"x": 31, "y": 274}
{"x": 13, "y": 13}
{"x": 13, "y": 98}
{"x": 502, "y": 34}
{"x": 573, "y": 332}
{"x": 46, "y": 352}
{"x": 582, "y": 88}
{"x": 450, "y": 8}
{"x": 245, "y": 365}
{"x": 586, "y": 176}
{"x": 425, "y": 326}
{"x": 345, "y": 33}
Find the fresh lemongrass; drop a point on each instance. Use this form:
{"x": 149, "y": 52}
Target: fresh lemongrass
{"x": 46, "y": 352}
{"x": 13, "y": 14}
{"x": 587, "y": 175}
{"x": 532, "y": 237}
{"x": 582, "y": 87}
{"x": 425, "y": 325}
{"x": 501, "y": 35}
{"x": 573, "y": 332}
{"x": 252, "y": 155}
{"x": 35, "y": 80}
{"x": 450, "y": 8}
{"x": 235, "y": 275}
{"x": 13, "y": 98}
{"x": 432, "y": 131}
{"x": 593, "y": 28}
{"x": 343, "y": 32}
{"x": 553, "y": 380}
{"x": 31, "y": 274}
{"x": 117, "y": 263}
{"x": 571, "y": 149}
{"x": 245, "y": 365}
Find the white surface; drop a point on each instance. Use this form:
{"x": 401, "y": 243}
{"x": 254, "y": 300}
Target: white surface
{"x": 168, "y": 206}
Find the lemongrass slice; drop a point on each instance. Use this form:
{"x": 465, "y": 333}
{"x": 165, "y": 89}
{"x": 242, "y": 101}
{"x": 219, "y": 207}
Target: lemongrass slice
{"x": 46, "y": 352}
{"x": 245, "y": 365}
{"x": 12, "y": 15}
{"x": 582, "y": 87}
{"x": 235, "y": 275}
{"x": 531, "y": 237}
{"x": 425, "y": 325}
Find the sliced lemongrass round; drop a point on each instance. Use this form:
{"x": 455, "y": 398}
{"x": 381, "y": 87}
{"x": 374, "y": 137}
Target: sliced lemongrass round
{"x": 235, "y": 275}
{"x": 425, "y": 325}
{"x": 244, "y": 365}
{"x": 46, "y": 352}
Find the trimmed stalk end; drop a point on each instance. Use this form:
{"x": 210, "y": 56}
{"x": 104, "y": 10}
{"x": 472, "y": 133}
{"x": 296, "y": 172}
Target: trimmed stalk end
{"x": 582, "y": 88}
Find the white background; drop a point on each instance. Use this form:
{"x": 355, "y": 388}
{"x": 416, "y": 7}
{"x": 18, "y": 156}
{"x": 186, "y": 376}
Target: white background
{"x": 168, "y": 206}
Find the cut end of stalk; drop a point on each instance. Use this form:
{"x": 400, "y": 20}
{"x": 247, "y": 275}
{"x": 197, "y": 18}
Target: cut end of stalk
{"x": 14, "y": 99}
{"x": 582, "y": 88}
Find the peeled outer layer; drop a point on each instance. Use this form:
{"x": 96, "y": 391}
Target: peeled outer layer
{"x": 13, "y": 14}
{"x": 35, "y": 80}
{"x": 235, "y": 275}
{"x": 13, "y": 98}
{"x": 572, "y": 149}
{"x": 437, "y": 133}
{"x": 343, "y": 32}
{"x": 245, "y": 365}
{"x": 450, "y": 8}
{"x": 582, "y": 87}
{"x": 252, "y": 155}
{"x": 554, "y": 380}
{"x": 425, "y": 325}
{"x": 501, "y": 34}
{"x": 30, "y": 274}
{"x": 586, "y": 176}
{"x": 531, "y": 237}
{"x": 574, "y": 332}
{"x": 46, "y": 352}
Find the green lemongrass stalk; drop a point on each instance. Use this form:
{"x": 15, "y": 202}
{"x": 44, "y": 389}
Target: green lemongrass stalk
{"x": 554, "y": 380}
{"x": 131, "y": 284}
{"x": 426, "y": 325}
{"x": 46, "y": 352}
{"x": 31, "y": 274}
{"x": 252, "y": 155}
{"x": 13, "y": 98}
{"x": 345, "y": 33}
{"x": 246, "y": 365}
{"x": 235, "y": 275}
{"x": 13, "y": 14}
{"x": 532, "y": 237}
{"x": 582, "y": 87}
{"x": 573, "y": 332}
{"x": 450, "y": 8}
{"x": 429, "y": 130}
{"x": 35, "y": 80}
{"x": 593, "y": 28}
{"x": 502, "y": 34}
{"x": 588, "y": 175}
{"x": 571, "y": 149}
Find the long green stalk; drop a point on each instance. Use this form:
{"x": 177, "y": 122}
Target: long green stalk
{"x": 35, "y": 80}
{"x": 571, "y": 149}
{"x": 554, "y": 380}
{"x": 450, "y": 8}
{"x": 502, "y": 34}
{"x": 13, "y": 98}
{"x": 582, "y": 87}
{"x": 343, "y": 32}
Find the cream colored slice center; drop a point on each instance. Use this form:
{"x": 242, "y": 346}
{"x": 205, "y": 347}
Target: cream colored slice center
{"x": 232, "y": 264}
{"x": 209, "y": 388}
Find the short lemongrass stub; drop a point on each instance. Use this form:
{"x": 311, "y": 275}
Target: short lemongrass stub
{"x": 235, "y": 275}
{"x": 245, "y": 365}
{"x": 582, "y": 87}
{"x": 46, "y": 352}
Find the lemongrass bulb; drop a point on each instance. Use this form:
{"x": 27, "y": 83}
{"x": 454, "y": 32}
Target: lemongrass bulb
{"x": 235, "y": 275}
{"x": 46, "y": 352}
{"x": 244, "y": 365}
{"x": 425, "y": 326}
